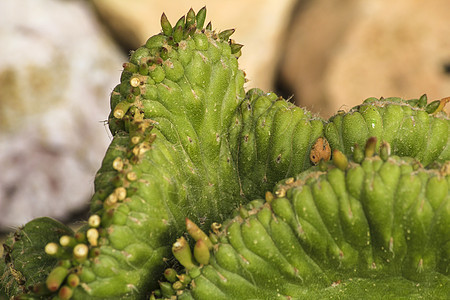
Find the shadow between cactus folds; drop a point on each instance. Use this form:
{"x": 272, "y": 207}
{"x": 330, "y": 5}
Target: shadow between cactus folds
{"x": 189, "y": 142}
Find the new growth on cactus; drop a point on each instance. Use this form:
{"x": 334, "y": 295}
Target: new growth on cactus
{"x": 208, "y": 191}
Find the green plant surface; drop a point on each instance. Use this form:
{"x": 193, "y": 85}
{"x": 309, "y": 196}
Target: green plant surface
{"x": 379, "y": 228}
{"x": 189, "y": 142}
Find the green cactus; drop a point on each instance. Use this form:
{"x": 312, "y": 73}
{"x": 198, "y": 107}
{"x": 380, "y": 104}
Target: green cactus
{"x": 379, "y": 228}
{"x": 419, "y": 131}
{"x": 190, "y": 143}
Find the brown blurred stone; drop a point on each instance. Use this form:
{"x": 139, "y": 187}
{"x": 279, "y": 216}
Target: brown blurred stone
{"x": 260, "y": 27}
{"x": 341, "y": 52}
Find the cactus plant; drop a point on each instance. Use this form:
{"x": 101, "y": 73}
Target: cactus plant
{"x": 190, "y": 143}
{"x": 379, "y": 227}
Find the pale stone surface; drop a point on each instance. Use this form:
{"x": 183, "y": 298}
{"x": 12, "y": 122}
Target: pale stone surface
{"x": 260, "y": 27}
{"x": 57, "y": 69}
{"x": 341, "y": 52}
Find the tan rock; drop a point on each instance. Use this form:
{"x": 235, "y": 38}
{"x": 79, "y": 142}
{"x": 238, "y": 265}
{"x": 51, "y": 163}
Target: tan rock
{"x": 341, "y": 52}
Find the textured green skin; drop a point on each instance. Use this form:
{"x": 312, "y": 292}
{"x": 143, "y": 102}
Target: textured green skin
{"x": 330, "y": 237}
{"x": 215, "y": 148}
{"x": 410, "y": 131}
{"x": 26, "y": 257}
{"x": 192, "y": 167}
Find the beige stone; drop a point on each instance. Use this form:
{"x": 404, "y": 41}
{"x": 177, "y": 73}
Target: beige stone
{"x": 341, "y": 52}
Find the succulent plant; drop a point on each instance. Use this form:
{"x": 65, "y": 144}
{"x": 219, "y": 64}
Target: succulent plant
{"x": 191, "y": 146}
{"x": 379, "y": 227}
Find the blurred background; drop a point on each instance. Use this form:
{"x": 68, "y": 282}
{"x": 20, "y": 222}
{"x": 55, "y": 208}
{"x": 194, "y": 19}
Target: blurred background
{"x": 60, "y": 59}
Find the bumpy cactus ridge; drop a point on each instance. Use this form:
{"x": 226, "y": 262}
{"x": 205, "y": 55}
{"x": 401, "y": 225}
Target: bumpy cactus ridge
{"x": 187, "y": 143}
{"x": 412, "y": 127}
{"x": 379, "y": 228}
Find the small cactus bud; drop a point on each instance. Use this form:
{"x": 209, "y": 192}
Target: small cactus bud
{"x": 385, "y": 151}
{"x": 132, "y": 176}
{"x": 111, "y": 200}
{"x": 201, "y": 252}
{"x": 269, "y": 197}
{"x": 80, "y": 237}
{"x": 182, "y": 253}
{"x": 67, "y": 241}
{"x": 92, "y": 236}
{"x": 80, "y": 252}
{"x": 235, "y": 48}
{"x": 135, "y": 81}
{"x": 121, "y": 193}
{"x": 170, "y": 275}
{"x": 118, "y": 164}
{"x": 178, "y": 34}
{"x": 65, "y": 292}
{"x": 197, "y": 233}
{"x": 52, "y": 249}
{"x": 358, "y": 154}
{"x": 432, "y": 107}
{"x": 190, "y": 18}
{"x": 422, "y": 101}
{"x": 225, "y": 35}
{"x": 121, "y": 109}
{"x": 177, "y": 285}
{"x": 56, "y": 277}
{"x": 200, "y": 18}
{"x": 370, "y": 147}
{"x": 340, "y": 160}
{"x": 243, "y": 212}
{"x": 94, "y": 221}
{"x": 165, "y": 25}
{"x": 166, "y": 290}
{"x": 73, "y": 280}
{"x": 180, "y": 23}
{"x": 184, "y": 279}
{"x": 130, "y": 67}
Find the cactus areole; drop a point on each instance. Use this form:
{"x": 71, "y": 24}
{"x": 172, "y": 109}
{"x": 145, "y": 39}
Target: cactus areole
{"x": 211, "y": 192}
